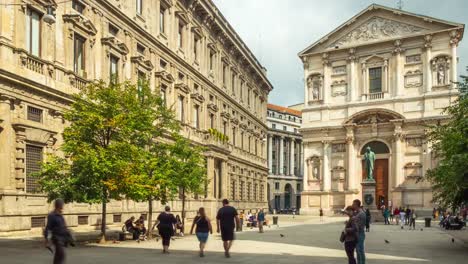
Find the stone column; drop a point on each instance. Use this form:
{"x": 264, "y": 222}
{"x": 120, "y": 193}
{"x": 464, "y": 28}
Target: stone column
{"x": 326, "y": 166}
{"x": 210, "y": 174}
{"x": 365, "y": 85}
{"x": 398, "y": 137}
{"x": 293, "y": 142}
{"x": 351, "y": 177}
{"x": 454, "y": 39}
{"x": 6, "y": 142}
{"x": 399, "y": 73}
{"x": 281, "y": 155}
{"x": 326, "y": 78}
{"x": 225, "y": 180}
{"x": 352, "y": 75}
{"x": 270, "y": 151}
{"x": 427, "y": 63}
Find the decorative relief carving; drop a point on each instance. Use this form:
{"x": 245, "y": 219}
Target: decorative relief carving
{"x": 313, "y": 164}
{"x": 339, "y": 88}
{"x": 80, "y": 22}
{"x": 413, "y": 79}
{"x": 339, "y": 70}
{"x": 414, "y": 142}
{"x": 413, "y": 59}
{"x": 338, "y": 148}
{"x": 115, "y": 44}
{"x": 376, "y": 28}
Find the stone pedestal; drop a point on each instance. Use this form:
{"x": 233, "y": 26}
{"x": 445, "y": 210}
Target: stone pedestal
{"x": 368, "y": 200}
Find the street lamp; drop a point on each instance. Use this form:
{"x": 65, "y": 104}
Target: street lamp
{"x": 50, "y": 16}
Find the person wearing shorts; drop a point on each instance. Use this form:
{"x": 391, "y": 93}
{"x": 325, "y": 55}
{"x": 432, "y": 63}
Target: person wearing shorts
{"x": 203, "y": 229}
{"x": 227, "y": 220}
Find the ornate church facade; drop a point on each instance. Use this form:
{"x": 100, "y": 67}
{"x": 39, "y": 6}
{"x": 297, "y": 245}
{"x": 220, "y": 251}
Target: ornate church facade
{"x": 379, "y": 80}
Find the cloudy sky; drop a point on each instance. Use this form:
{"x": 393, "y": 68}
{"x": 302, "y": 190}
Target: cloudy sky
{"x": 276, "y": 30}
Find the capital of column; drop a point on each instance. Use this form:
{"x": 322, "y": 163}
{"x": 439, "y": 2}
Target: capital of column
{"x": 428, "y": 41}
{"x": 352, "y": 55}
{"x": 398, "y": 49}
{"x": 454, "y": 37}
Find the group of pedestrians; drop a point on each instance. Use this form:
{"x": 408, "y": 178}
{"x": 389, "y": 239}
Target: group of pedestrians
{"x": 353, "y": 235}
{"x": 404, "y": 216}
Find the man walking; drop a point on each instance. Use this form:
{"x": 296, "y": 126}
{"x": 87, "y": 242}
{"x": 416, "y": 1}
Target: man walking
{"x": 260, "y": 220}
{"x": 57, "y": 228}
{"x": 227, "y": 220}
{"x": 361, "y": 220}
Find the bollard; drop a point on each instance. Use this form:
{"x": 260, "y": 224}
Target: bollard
{"x": 275, "y": 220}
{"x": 427, "y": 221}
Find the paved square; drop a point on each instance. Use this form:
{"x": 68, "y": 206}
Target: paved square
{"x": 304, "y": 242}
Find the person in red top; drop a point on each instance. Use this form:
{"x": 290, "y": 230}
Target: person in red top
{"x": 396, "y": 213}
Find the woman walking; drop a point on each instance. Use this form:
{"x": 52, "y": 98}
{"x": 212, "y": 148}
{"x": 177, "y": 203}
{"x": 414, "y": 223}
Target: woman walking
{"x": 203, "y": 224}
{"x": 166, "y": 226}
{"x": 350, "y": 235}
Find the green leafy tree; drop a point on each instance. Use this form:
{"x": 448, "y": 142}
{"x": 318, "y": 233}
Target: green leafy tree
{"x": 188, "y": 169}
{"x": 110, "y": 125}
{"x": 450, "y": 144}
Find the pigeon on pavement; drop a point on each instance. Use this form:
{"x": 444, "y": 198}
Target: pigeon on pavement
{"x": 386, "y": 241}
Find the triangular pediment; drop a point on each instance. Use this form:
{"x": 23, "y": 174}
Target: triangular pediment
{"x": 376, "y": 29}
{"x": 376, "y": 24}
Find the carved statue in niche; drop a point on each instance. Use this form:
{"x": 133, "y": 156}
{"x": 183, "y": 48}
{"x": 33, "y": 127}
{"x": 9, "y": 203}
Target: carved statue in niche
{"x": 440, "y": 68}
{"x": 316, "y": 168}
{"x": 441, "y": 75}
{"x": 314, "y": 84}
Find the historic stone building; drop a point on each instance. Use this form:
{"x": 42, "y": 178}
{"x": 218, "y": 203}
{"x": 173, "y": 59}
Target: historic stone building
{"x": 186, "y": 49}
{"x": 285, "y": 160}
{"x": 378, "y": 80}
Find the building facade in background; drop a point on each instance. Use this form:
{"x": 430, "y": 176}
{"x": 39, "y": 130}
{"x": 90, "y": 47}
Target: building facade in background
{"x": 188, "y": 52}
{"x": 378, "y": 80}
{"x": 285, "y": 162}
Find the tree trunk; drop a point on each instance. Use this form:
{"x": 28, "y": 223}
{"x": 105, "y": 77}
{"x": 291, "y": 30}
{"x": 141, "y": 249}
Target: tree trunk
{"x": 183, "y": 208}
{"x": 150, "y": 217}
{"x": 103, "y": 220}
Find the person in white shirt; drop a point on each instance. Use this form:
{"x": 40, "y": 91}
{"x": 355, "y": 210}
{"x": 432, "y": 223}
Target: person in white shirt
{"x": 402, "y": 218}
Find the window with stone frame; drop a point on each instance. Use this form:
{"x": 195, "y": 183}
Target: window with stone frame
{"x": 212, "y": 120}
{"x": 242, "y": 190}
{"x": 196, "y": 116}
{"x": 277, "y": 185}
{"x": 113, "y": 68}
{"x": 164, "y": 94}
{"x": 233, "y": 83}
{"x": 262, "y": 192}
{"x": 33, "y": 32}
{"x": 180, "y": 35}
{"x": 34, "y": 158}
{"x": 255, "y": 192}
{"x": 78, "y": 6}
{"x": 233, "y": 190}
{"x": 196, "y": 42}
{"x": 375, "y": 80}
{"x": 234, "y": 136}
{"x": 180, "y": 108}
{"x": 34, "y": 114}
{"x": 79, "y": 55}
{"x": 224, "y": 74}
{"x": 141, "y": 81}
{"x": 212, "y": 60}
{"x": 249, "y": 191}
{"x": 162, "y": 17}
{"x": 113, "y": 30}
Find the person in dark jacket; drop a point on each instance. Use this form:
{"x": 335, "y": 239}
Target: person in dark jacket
{"x": 350, "y": 235}
{"x": 57, "y": 230}
{"x": 166, "y": 226}
{"x": 368, "y": 219}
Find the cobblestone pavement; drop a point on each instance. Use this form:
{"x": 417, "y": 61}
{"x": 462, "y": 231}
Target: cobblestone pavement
{"x": 304, "y": 240}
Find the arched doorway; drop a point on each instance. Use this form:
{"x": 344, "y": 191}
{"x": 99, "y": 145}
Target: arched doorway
{"x": 287, "y": 196}
{"x": 382, "y": 153}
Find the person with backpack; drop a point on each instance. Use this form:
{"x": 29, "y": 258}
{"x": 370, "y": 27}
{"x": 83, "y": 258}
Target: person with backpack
{"x": 203, "y": 229}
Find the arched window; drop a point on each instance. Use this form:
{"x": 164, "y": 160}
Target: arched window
{"x": 377, "y": 147}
